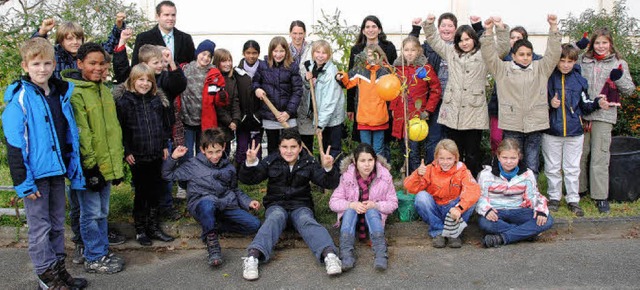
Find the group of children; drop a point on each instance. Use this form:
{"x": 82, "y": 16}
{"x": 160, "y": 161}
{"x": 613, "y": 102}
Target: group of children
{"x": 68, "y": 123}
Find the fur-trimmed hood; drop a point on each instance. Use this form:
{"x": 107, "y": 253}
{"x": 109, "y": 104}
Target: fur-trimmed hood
{"x": 119, "y": 90}
{"x": 344, "y": 164}
{"x": 421, "y": 60}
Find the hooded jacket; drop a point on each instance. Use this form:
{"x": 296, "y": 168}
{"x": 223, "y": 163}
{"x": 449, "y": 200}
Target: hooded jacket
{"x": 98, "y": 126}
{"x": 446, "y": 186}
{"x": 33, "y": 151}
{"x": 329, "y": 100}
{"x": 371, "y": 113}
{"x": 423, "y": 94}
{"x": 381, "y": 189}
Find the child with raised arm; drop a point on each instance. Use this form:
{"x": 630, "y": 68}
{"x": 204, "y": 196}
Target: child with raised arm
{"x": 288, "y": 200}
{"x": 213, "y": 196}
{"x": 523, "y": 113}
{"x": 38, "y": 118}
{"x": 446, "y": 191}
{"x": 363, "y": 200}
{"x": 511, "y": 208}
{"x": 464, "y": 104}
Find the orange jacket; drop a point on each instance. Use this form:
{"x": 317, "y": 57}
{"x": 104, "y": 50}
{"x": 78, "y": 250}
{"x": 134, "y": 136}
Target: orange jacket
{"x": 372, "y": 110}
{"x": 446, "y": 186}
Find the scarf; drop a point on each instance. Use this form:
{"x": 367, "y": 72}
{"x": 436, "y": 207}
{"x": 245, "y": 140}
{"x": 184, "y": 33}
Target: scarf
{"x": 599, "y": 57}
{"x": 251, "y": 70}
{"x": 508, "y": 175}
{"x": 363, "y": 184}
{"x": 522, "y": 66}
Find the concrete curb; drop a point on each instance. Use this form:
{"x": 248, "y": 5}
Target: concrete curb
{"x": 398, "y": 234}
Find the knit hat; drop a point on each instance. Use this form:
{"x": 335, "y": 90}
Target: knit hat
{"x": 205, "y": 45}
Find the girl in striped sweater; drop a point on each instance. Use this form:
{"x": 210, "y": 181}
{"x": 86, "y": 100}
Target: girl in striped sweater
{"x": 511, "y": 208}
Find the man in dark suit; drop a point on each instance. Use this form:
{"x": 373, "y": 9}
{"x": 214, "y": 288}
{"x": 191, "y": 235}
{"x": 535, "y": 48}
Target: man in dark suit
{"x": 165, "y": 34}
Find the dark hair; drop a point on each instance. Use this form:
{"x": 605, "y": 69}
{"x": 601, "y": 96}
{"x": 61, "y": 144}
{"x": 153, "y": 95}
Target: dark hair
{"x": 290, "y": 133}
{"x": 211, "y": 137}
{"x": 364, "y": 148}
{"x": 450, "y": 16}
{"x": 89, "y": 47}
{"x": 363, "y": 39}
{"x": 251, "y": 44}
{"x": 297, "y": 23}
{"x": 164, "y": 3}
{"x": 519, "y": 43}
{"x": 471, "y": 33}
{"x": 570, "y": 51}
{"x": 521, "y": 30}
{"x": 601, "y": 32}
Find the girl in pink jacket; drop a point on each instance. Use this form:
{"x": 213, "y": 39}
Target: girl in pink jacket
{"x": 363, "y": 200}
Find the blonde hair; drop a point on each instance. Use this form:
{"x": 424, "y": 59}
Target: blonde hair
{"x": 138, "y": 71}
{"x": 322, "y": 44}
{"x": 67, "y": 28}
{"x": 220, "y": 55}
{"x": 509, "y": 144}
{"x": 448, "y": 145}
{"x": 412, "y": 40}
{"x": 37, "y": 47}
{"x": 281, "y": 41}
{"x": 149, "y": 51}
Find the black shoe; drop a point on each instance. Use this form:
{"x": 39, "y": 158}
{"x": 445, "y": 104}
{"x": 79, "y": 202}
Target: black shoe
{"x": 143, "y": 239}
{"x": 213, "y": 250}
{"x": 115, "y": 238}
{"x": 489, "y": 241}
{"x": 73, "y": 283}
{"x": 454, "y": 242}
{"x": 603, "y": 205}
{"x": 575, "y": 208}
{"x": 155, "y": 233}
{"x": 553, "y": 205}
{"x": 50, "y": 279}
{"x": 170, "y": 214}
{"x": 438, "y": 242}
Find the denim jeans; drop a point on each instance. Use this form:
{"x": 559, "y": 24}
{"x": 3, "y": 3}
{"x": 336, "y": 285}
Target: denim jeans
{"x": 45, "y": 217}
{"x": 435, "y": 214}
{"x": 94, "y": 209}
{"x": 192, "y": 135}
{"x": 514, "y": 224}
{"x": 314, "y": 235}
{"x": 234, "y": 220}
{"x": 373, "y": 138}
{"x": 372, "y": 218}
{"x": 529, "y": 146}
{"x": 435, "y": 135}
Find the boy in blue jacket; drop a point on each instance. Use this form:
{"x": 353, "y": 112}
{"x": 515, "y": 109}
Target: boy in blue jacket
{"x": 42, "y": 148}
{"x": 213, "y": 196}
{"x": 562, "y": 142}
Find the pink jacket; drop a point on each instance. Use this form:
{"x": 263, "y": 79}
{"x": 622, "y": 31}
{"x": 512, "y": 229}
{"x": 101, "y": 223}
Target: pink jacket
{"x": 382, "y": 190}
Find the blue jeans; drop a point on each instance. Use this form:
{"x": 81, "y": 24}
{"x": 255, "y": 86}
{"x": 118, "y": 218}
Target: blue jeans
{"x": 45, "y": 217}
{"x": 234, "y": 220}
{"x": 192, "y": 139}
{"x": 434, "y": 136}
{"x": 373, "y": 138}
{"x": 94, "y": 209}
{"x": 435, "y": 214}
{"x": 372, "y": 218}
{"x": 314, "y": 235}
{"x": 529, "y": 146}
{"x": 514, "y": 224}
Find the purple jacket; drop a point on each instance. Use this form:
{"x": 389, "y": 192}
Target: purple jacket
{"x": 381, "y": 190}
{"x": 283, "y": 87}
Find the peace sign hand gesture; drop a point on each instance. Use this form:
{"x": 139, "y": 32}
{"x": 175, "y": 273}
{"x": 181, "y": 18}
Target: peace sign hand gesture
{"x": 252, "y": 152}
{"x": 326, "y": 159}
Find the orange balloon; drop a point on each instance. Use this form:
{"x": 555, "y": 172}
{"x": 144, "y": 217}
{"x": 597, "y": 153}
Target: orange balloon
{"x": 388, "y": 87}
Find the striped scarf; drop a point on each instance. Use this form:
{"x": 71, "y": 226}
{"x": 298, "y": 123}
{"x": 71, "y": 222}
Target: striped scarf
{"x": 363, "y": 184}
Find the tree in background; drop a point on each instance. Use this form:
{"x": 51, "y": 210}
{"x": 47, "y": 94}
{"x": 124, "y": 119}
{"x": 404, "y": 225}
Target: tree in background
{"x": 23, "y": 17}
{"x": 339, "y": 34}
{"x": 625, "y": 30}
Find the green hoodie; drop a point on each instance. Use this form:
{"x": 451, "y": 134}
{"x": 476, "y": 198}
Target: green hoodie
{"x": 100, "y": 132}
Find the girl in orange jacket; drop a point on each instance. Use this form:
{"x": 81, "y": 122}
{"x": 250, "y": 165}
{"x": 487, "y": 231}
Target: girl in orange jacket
{"x": 445, "y": 188}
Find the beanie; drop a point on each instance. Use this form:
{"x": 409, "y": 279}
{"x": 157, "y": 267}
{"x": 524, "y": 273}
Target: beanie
{"x": 205, "y": 45}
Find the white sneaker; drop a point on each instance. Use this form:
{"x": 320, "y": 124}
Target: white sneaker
{"x": 182, "y": 193}
{"x": 333, "y": 264}
{"x": 250, "y": 271}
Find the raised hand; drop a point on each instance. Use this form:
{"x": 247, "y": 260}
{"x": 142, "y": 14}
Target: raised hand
{"x": 474, "y": 19}
{"x": 552, "y": 19}
{"x": 430, "y": 19}
{"x": 488, "y": 25}
{"x": 555, "y": 102}
{"x": 120, "y": 17}
{"x": 46, "y": 26}
{"x": 422, "y": 169}
{"x": 252, "y": 152}
{"x": 125, "y": 35}
{"x": 326, "y": 159}
{"x": 179, "y": 152}
{"x": 416, "y": 21}
{"x": 497, "y": 21}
